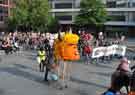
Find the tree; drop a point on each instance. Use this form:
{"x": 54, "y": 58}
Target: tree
{"x": 53, "y": 25}
{"x": 38, "y": 15}
{"x": 30, "y": 14}
{"x": 92, "y": 12}
{"x": 19, "y": 14}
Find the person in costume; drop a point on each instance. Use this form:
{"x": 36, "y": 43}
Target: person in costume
{"x": 57, "y": 52}
{"x": 67, "y": 52}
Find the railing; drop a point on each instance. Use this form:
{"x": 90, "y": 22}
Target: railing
{"x": 108, "y": 9}
{"x": 65, "y": 10}
{"x": 121, "y": 9}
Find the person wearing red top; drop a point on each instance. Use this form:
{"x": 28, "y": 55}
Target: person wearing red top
{"x": 87, "y": 52}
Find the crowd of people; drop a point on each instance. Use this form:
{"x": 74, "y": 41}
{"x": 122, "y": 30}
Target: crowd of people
{"x": 57, "y": 69}
{"x": 26, "y": 41}
{"x": 88, "y": 42}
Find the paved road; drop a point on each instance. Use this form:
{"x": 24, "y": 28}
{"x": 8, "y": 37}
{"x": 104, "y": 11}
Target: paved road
{"x": 19, "y": 76}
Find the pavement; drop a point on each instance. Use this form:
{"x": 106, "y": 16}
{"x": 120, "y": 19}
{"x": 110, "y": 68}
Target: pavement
{"x": 19, "y": 75}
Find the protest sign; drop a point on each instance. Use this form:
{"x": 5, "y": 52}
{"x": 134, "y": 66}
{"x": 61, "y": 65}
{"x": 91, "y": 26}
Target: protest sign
{"x": 107, "y": 51}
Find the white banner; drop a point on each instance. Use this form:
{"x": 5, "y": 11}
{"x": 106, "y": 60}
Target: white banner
{"x": 110, "y": 50}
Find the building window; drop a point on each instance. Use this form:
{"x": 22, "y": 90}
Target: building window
{"x": 1, "y": 18}
{"x": 133, "y": 4}
{"x": 111, "y": 4}
{"x": 77, "y": 3}
{"x": 116, "y": 18}
{"x": 1, "y": 1}
{"x": 133, "y": 14}
{"x": 5, "y": 10}
{"x": 122, "y": 5}
{"x": 63, "y": 5}
{"x": 1, "y": 10}
{"x": 5, "y": 18}
{"x": 65, "y": 18}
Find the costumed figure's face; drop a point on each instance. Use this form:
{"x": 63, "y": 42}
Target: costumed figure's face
{"x": 71, "y": 52}
{"x": 70, "y": 49}
{"x": 66, "y": 48}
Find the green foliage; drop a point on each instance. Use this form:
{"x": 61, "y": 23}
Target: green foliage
{"x": 38, "y": 15}
{"x": 30, "y": 14}
{"x": 53, "y": 25}
{"x": 19, "y": 14}
{"x": 12, "y": 23}
{"x": 92, "y": 12}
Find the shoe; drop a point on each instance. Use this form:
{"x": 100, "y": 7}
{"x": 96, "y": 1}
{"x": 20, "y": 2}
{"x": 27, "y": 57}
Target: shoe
{"x": 60, "y": 88}
{"x": 42, "y": 70}
{"x": 66, "y": 86}
{"x": 46, "y": 80}
{"x": 39, "y": 70}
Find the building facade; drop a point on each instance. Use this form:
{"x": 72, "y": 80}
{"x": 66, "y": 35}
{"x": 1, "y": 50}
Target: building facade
{"x": 121, "y": 13}
{"x": 4, "y": 11}
{"x": 65, "y": 10}
{"x": 118, "y": 10}
{"x": 121, "y": 10}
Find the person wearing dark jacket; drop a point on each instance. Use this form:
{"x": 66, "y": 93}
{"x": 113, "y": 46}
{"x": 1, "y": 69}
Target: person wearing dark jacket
{"x": 49, "y": 58}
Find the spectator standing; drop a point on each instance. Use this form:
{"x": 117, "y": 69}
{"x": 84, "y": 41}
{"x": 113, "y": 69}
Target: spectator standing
{"x": 87, "y": 52}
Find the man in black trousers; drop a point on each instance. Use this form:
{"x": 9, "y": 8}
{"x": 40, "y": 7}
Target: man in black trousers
{"x": 49, "y": 58}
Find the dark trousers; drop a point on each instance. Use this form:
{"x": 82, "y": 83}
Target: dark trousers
{"x": 42, "y": 65}
{"x": 46, "y": 73}
{"x": 7, "y": 50}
